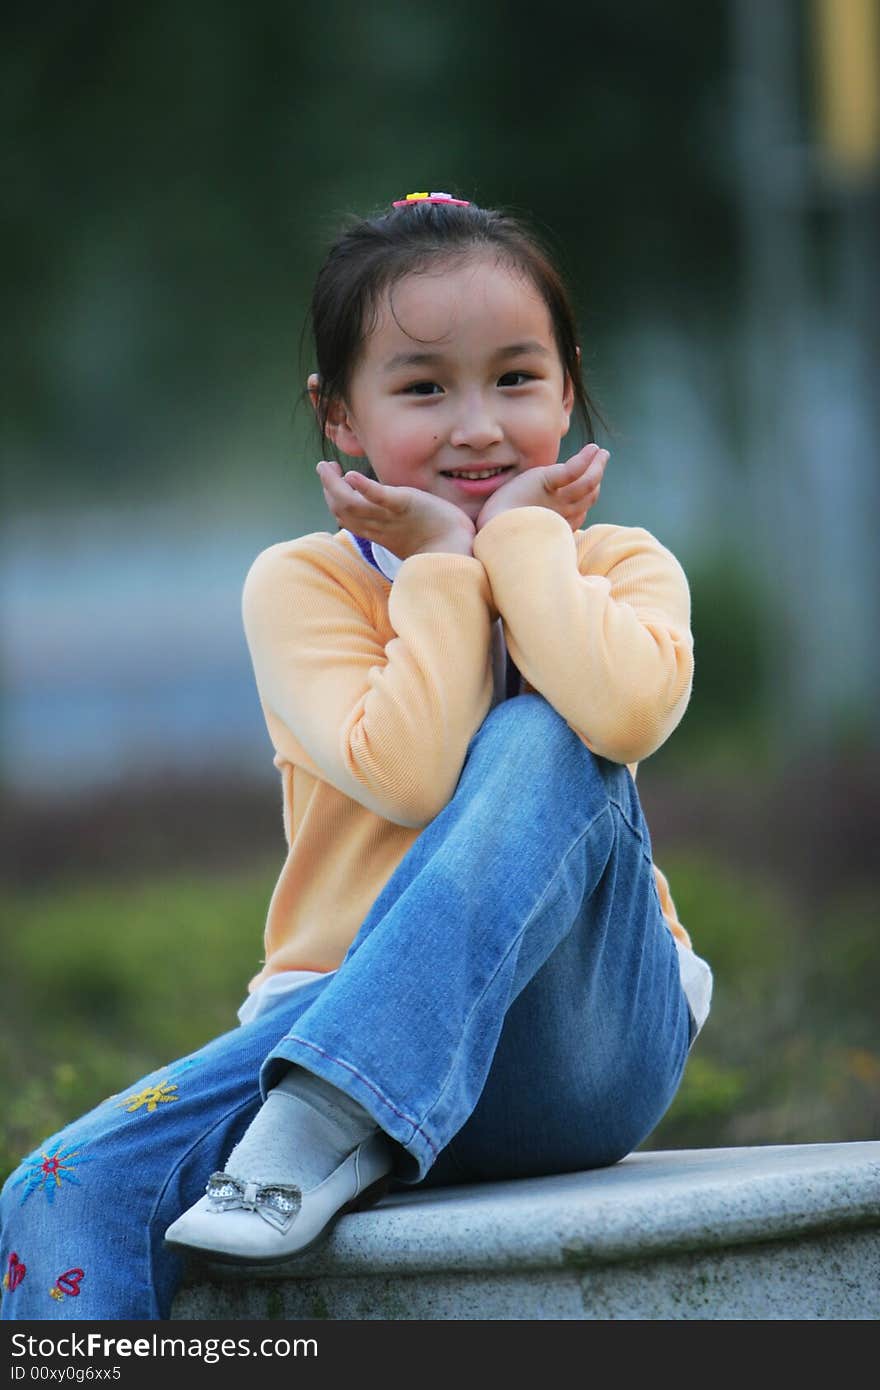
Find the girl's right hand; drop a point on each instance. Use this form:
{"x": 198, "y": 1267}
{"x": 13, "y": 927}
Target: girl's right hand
{"x": 404, "y": 520}
{"x": 569, "y": 487}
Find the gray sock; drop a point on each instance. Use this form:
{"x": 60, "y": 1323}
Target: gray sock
{"x": 303, "y": 1130}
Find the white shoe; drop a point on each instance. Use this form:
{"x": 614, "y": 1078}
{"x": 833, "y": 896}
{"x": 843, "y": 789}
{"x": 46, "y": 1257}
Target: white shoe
{"x": 252, "y": 1224}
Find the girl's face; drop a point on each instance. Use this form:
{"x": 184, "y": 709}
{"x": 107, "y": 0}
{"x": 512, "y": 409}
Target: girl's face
{"x": 459, "y": 386}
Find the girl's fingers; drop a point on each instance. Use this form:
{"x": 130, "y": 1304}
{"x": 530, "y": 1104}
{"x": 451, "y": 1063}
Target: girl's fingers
{"x": 366, "y": 487}
{"x": 581, "y": 487}
{"x": 328, "y": 468}
{"x": 595, "y": 470}
{"x": 330, "y": 473}
{"x": 583, "y": 478}
{"x": 393, "y": 502}
{"x": 343, "y": 502}
{"x": 358, "y": 480}
{"x": 388, "y": 499}
{"x": 358, "y": 501}
{"x": 340, "y": 485}
{"x": 566, "y": 468}
{"x": 588, "y": 462}
{"x": 586, "y": 456}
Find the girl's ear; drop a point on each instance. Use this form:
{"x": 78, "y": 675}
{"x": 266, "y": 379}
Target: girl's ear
{"x": 567, "y": 401}
{"x": 338, "y": 426}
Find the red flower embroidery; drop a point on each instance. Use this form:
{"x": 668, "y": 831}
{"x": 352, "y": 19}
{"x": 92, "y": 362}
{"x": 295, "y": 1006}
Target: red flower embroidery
{"x": 15, "y": 1273}
{"x": 67, "y": 1283}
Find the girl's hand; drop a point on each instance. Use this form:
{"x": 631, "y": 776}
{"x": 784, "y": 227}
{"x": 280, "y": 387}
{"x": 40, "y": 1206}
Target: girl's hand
{"x": 570, "y": 488}
{"x": 405, "y": 520}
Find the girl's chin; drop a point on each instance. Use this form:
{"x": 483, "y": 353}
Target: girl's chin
{"x": 468, "y": 499}
{"x": 471, "y": 506}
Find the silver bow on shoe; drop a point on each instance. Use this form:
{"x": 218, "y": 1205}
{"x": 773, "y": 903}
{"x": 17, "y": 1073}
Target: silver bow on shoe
{"x": 276, "y": 1203}
{"x": 224, "y": 1223}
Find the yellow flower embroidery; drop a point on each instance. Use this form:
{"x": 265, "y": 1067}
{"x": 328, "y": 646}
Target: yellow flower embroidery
{"x": 150, "y": 1096}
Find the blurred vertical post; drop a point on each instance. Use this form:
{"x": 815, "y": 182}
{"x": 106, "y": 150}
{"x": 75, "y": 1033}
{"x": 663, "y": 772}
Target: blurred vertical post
{"x": 774, "y": 253}
{"x": 847, "y": 42}
{"x": 809, "y": 404}
{"x": 846, "y": 45}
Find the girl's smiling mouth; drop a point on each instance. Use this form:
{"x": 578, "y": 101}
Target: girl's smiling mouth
{"x": 475, "y": 482}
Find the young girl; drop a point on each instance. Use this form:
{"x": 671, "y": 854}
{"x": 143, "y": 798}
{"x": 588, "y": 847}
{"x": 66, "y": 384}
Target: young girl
{"x": 473, "y": 969}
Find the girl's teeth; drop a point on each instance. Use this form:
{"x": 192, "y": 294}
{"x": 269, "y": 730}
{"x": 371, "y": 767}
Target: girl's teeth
{"x": 475, "y": 477}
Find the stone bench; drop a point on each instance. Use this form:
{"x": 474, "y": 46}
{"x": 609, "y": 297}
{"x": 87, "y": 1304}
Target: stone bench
{"x": 781, "y": 1232}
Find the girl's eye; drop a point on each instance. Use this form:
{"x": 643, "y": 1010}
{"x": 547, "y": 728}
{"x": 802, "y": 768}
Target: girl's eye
{"x": 422, "y": 388}
{"x": 514, "y": 379}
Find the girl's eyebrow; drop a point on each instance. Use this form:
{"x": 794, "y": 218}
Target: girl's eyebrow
{"x": 527, "y": 349}
{"x": 433, "y": 359}
{"x": 413, "y": 359}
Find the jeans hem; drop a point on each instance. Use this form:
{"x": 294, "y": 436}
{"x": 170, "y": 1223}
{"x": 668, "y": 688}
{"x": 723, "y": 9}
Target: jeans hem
{"x": 399, "y": 1126}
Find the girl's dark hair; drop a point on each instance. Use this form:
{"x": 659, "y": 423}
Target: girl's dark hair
{"x": 373, "y": 254}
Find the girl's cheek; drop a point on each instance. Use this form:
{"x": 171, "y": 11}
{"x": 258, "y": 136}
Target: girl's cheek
{"x": 399, "y": 462}
{"x": 409, "y": 447}
{"x": 544, "y": 448}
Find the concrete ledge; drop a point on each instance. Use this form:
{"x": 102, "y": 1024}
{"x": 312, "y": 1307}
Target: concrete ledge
{"x": 773, "y": 1232}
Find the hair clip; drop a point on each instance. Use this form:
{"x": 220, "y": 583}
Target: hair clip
{"x": 430, "y": 198}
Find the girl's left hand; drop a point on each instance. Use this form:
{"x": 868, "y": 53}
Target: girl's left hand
{"x": 570, "y": 488}
{"x": 404, "y": 519}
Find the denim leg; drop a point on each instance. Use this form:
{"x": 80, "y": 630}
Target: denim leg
{"x": 590, "y": 1055}
{"x": 532, "y": 888}
{"x": 84, "y": 1215}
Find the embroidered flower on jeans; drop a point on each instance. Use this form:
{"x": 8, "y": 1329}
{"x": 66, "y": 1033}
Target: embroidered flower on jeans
{"x": 15, "y": 1273}
{"x": 157, "y": 1081}
{"x": 150, "y": 1097}
{"x": 47, "y": 1172}
{"x": 67, "y": 1284}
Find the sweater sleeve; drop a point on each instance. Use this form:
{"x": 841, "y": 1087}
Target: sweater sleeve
{"x": 598, "y": 622}
{"x": 379, "y": 703}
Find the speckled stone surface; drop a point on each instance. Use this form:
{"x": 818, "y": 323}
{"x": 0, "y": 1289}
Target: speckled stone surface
{"x": 771, "y": 1232}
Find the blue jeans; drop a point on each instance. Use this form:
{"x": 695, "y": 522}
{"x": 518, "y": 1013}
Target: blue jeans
{"x": 511, "y": 1007}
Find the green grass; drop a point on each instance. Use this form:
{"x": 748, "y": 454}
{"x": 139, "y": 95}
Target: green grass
{"x": 104, "y": 983}
{"x": 791, "y": 1050}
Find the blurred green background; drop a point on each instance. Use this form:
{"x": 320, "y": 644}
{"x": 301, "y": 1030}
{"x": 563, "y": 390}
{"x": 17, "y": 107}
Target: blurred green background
{"x": 708, "y": 174}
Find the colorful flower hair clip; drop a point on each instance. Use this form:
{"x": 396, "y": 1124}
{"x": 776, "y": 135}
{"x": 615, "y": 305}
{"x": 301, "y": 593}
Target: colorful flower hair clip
{"x": 412, "y": 198}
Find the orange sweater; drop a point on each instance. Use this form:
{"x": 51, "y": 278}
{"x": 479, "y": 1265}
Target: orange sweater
{"x": 372, "y": 691}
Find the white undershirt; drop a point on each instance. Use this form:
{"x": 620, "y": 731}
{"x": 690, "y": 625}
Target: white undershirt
{"x": 696, "y": 976}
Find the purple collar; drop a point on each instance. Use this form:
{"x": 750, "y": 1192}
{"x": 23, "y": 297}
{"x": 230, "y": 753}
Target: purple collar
{"x": 512, "y": 676}
{"x": 366, "y": 549}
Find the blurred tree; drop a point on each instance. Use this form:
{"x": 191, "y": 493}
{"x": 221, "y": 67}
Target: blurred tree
{"x": 176, "y": 171}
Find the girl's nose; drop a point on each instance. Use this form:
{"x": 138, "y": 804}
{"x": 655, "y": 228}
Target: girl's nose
{"x": 476, "y": 425}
